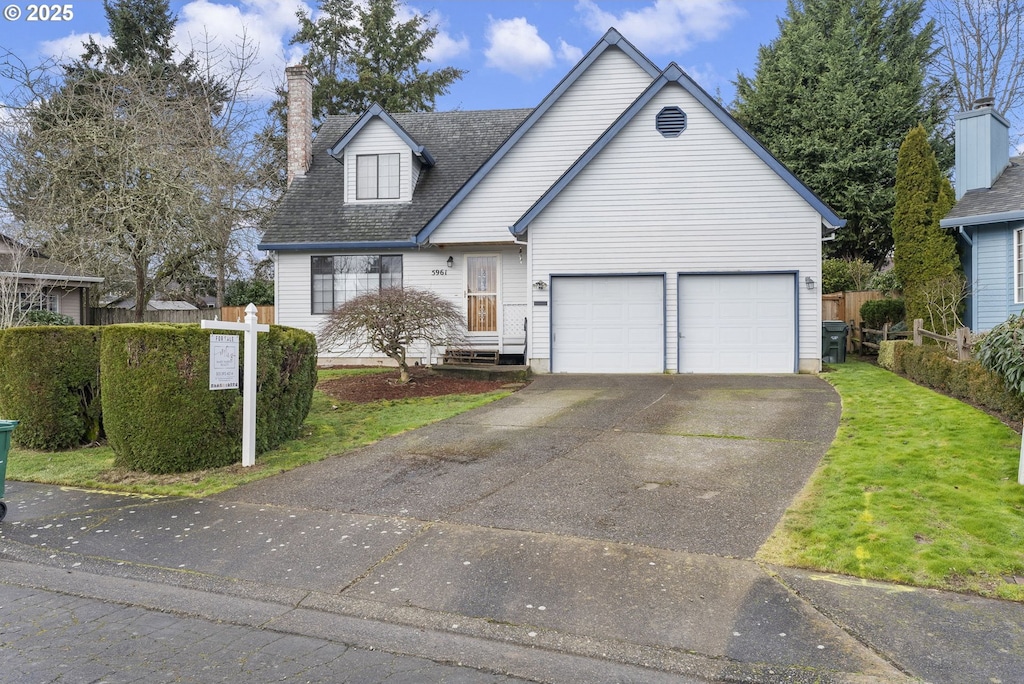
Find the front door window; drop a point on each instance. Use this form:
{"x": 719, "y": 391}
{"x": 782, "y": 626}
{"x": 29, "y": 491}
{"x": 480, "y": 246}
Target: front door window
{"x": 482, "y": 293}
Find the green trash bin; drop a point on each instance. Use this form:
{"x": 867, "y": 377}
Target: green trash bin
{"x": 833, "y": 341}
{"x": 6, "y": 427}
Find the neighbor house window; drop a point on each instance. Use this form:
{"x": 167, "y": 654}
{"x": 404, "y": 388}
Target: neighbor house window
{"x": 377, "y": 176}
{"x": 38, "y": 301}
{"x": 336, "y": 279}
{"x": 1018, "y": 266}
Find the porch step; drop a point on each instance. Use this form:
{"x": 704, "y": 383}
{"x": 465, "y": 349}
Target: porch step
{"x": 464, "y": 357}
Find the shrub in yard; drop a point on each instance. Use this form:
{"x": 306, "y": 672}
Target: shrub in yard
{"x": 1002, "y": 351}
{"x": 43, "y": 317}
{"x": 886, "y": 354}
{"x": 878, "y": 312}
{"x": 966, "y": 380}
{"x": 49, "y": 380}
{"x": 160, "y": 415}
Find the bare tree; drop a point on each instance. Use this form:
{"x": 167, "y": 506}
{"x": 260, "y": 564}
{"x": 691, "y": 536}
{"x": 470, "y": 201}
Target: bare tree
{"x": 390, "y": 321}
{"x": 982, "y": 53}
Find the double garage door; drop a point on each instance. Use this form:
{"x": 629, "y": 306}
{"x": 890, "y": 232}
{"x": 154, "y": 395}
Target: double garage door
{"x": 727, "y": 324}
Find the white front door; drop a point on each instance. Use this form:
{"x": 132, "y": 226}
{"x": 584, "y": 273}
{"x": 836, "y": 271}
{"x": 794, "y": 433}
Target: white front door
{"x": 608, "y": 324}
{"x": 482, "y": 294}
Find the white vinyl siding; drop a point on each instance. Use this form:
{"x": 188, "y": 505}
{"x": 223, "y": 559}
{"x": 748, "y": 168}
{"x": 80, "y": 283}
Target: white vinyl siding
{"x": 378, "y": 147}
{"x": 565, "y": 131}
{"x": 702, "y": 202}
{"x": 293, "y": 274}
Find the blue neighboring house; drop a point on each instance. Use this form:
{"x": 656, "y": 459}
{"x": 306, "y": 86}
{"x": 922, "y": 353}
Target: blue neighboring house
{"x": 988, "y": 217}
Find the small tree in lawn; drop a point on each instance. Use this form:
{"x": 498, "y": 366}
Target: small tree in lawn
{"x": 390, "y": 321}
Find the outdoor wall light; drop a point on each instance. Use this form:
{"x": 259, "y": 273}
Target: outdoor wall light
{"x": 809, "y": 282}
{"x": 451, "y": 262}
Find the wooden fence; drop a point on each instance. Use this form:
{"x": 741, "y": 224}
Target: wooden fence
{"x": 104, "y": 316}
{"x": 862, "y": 337}
{"x": 845, "y": 306}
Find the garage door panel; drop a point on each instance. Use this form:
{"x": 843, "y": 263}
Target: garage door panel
{"x": 737, "y": 323}
{"x": 608, "y": 324}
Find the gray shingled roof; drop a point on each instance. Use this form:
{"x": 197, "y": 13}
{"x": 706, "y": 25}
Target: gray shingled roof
{"x": 1005, "y": 195}
{"x": 312, "y": 210}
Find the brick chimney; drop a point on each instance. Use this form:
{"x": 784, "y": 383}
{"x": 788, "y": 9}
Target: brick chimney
{"x": 982, "y": 146}
{"x": 300, "y": 120}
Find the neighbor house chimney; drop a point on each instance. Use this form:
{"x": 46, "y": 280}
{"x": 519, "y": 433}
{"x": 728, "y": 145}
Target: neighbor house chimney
{"x": 982, "y": 146}
{"x": 300, "y": 121}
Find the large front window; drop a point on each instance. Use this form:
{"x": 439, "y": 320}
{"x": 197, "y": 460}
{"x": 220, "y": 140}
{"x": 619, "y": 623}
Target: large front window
{"x": 38, "y": 301}
{"x": 336, "y": 279}
{"x": 377, "y": 176}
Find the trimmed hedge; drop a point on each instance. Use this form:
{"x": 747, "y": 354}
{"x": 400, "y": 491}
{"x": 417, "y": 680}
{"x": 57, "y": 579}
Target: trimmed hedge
{"x": 160, "y": 415}
{"x": 877, "y": 312}
{"x": 966, "y": 380}
{"x": 49, "y": 380}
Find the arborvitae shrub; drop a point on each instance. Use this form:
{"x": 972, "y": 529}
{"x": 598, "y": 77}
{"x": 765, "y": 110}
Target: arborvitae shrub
{"x": 877, "y": 312}
{"x": 160, "y": 415}
{"x": 49, "y": 380}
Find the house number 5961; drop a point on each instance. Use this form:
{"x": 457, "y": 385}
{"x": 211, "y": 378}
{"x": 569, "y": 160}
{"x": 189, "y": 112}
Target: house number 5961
{"x": 439, "y": 272}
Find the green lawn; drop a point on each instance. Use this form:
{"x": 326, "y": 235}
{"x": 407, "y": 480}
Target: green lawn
{"x": 916, "y": 488}
{"x": 331, "y": 428}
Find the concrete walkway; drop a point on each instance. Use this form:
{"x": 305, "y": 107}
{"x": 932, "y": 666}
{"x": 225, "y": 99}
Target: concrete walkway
{"x": 584, "y": 529}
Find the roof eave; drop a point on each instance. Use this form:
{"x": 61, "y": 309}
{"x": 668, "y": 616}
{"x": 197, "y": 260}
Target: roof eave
{"x": 320, "y": 246}
{"x": 378, "y": 112}
{"x": 981, "y": 219}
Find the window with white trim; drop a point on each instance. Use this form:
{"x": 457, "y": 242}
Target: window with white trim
{"x": 336, "y": 279}
{"x": 1018, "y": 266}
{"x": 377, "y": 176}
{"x": 38, "y": 301}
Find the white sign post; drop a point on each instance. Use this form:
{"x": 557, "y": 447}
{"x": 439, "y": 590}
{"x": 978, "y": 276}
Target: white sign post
{"x": 250, "y": 328}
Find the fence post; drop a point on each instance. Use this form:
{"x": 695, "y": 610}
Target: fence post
{"x": 918, "y": 325}
{"x": 850, "y": 339}
{"x": 860, "y": 338}
{"x": 885, "y": 331}
{"x": 963, "y": 344}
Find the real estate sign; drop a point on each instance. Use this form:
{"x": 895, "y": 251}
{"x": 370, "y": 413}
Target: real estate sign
{"x": 223, "y": 362}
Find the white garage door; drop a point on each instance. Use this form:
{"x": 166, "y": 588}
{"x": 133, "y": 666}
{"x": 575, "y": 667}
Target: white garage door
{"x": 608, "y": 324}
{"x": 737, "y": 324}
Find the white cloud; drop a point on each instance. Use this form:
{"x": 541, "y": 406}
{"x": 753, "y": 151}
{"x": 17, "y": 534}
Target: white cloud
{"x": 445, "y": 46}
{"x": 516, "y": 47}
{"x": 267, "y": 25}
{"x": 569, "y": 53}
{"x": 665, "y": 26}
{"x": 70, "y": 47}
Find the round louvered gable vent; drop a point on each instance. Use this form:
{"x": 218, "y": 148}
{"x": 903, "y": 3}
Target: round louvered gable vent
{"x": 670, "y": 122}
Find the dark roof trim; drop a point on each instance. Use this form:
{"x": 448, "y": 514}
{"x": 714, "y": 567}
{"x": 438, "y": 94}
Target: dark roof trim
{"x": 674, "y": 74}
{"x": 611, "y": 38}
{"x": 313, "y": 246}
{"x": 376, "y": 111}
{"x": 980, "y": 219}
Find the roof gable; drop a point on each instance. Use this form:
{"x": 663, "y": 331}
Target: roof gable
{"x": 674, "y": 74}
{"x": 611, "y": 39}
{"x": 377, "y": 112}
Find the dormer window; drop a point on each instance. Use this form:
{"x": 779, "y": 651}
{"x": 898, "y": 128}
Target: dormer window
{"x": 377, "y": 176}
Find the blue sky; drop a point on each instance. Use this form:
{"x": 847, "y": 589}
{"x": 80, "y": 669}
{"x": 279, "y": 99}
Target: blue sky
{"x": 514, "y": 51}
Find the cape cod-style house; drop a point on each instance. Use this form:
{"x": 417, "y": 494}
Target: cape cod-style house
{"x": 626, "y": 224}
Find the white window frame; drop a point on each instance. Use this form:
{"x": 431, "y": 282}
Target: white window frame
{"x": 1018, "y": 266}
{"x": 325, "y": 293}
{"x": 376, "y": 180}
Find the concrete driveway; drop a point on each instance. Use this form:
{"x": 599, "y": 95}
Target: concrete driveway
{"x": 705, "y": 464}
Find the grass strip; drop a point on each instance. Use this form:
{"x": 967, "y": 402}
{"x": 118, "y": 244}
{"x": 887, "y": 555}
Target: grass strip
{"x": 331, "y": 428}
{"x": 917, "y": 488}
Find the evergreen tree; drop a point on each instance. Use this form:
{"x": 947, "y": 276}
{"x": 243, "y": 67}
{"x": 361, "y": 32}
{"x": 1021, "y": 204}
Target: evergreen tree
{"x": 832, "y": 97}
{"x": 924, "y": 258}
{"x": 360, "y": 55}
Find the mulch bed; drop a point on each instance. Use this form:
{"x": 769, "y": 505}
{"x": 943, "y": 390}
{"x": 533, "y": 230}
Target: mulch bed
{"x": 369, "y": 387}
